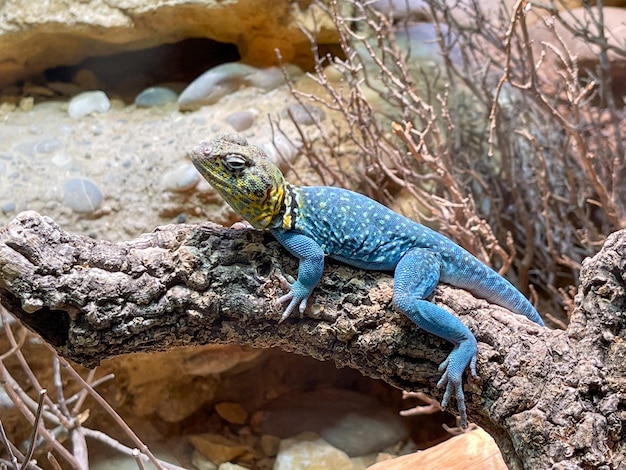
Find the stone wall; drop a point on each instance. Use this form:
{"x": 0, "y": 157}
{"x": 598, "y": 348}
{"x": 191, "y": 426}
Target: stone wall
{"x": 35, "y": 36}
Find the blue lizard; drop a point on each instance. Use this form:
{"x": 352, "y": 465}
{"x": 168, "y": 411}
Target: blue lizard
{"x": 312, "y": 222}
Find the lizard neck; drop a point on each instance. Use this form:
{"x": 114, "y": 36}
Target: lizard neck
{"x": 266, "y": 213}
{"x": 290, "y": 209}
{"x": 258, "y": 195}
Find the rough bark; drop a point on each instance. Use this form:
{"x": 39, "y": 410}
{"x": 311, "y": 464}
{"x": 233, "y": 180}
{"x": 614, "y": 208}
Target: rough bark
{"x": 551, "y": 399}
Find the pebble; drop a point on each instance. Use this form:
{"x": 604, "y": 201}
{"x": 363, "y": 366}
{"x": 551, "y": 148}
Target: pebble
{"x": 155, "y": 96}
{"x": 339, "y": 417}
{"x": 403, "y": 9}
{"x": 65, "y": 88}
{"x": 240, "y": 120}
{"x": 272, "y": 77}
{"x": 181, "y": 179}
{"x": 86, "y": 79}
{"x": 269, "y": 444}
{"x": 27, "y": 148}
{"x": 214, "y": 84}
{"x": 308, "y": 452}
{"x": 217, "y": 448}
{"x": 279, "y": 149}
{"x": 35, "y": 129}
{"x": 226, "y": 78}
{"x": 32, "y": 89}
{"x": 61, "y": 158}
{"x": 231, "y": 466}
{"x": 27, "y": 103}
{"x": 8, "y": 207}
{"x": 48, "y": 145}
{"x": 82, "y": 195}
{"x": 200, "y": 462}
{"x": 231, "y": 412}
{"x": 423, "y": 42}
{"x": 87, "y": 103}
{"x": 304, "y": 115}
{"x": 114, "y": 461}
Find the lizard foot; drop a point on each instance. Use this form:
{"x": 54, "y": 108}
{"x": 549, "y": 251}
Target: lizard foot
{"x": 453, "y": 367}
{"x": 297, "y": 297}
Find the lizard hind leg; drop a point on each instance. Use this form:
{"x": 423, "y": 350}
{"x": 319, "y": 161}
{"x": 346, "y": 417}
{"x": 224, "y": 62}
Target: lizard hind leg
{"x": 415, "y": 277}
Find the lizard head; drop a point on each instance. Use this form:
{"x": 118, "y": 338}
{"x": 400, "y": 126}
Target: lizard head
{"x": 243, "y": 175}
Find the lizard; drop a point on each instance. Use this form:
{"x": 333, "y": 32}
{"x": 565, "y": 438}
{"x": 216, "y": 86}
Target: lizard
{"x": 313, "y": 222}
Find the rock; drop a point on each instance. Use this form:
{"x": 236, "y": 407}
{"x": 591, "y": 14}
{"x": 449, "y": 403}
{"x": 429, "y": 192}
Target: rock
{"x": 415, "y": 10}
{"x": 31, "y": 89}
{"x": 304, "y": 115}
{"x": 200, "y": 462}
{"x": 280, "y": 149}
{"x": 155, "y": 96}
{"x": 352, "y": 422}
{"x": 240, "y": 120}
{"x": 48, "y": 145}
{"x": 175, "y": 401}
{"x": 8, "y": 207}
{"x": 269, "y": 444}
{"x": 65, "y": 88}
{"x": 231, "y": 466}
{"x": 74, "y": 30}
{"x": 422, "y": 41}
{"x": 494, "y": 12}
{"x": 231, "y": 412}
{"x": 82, "y": 195}
{"x": 181, "y": 179}
{"x": 218, "y": 449}
{"x": 474, "y": 450}
{"x": 87, "y": 103}
{"x": 586, "y": 53}
{"x": 310, "y": 452}
{"x": 273, "y": 77}
{"x": 214, "y": 84}
{"x": 227, "y": 78}
{"x": 99, "y": 460}
{"x": 26, "y": 103}
{"x": 86, "y": 79}
{"x": 151, "y": 391}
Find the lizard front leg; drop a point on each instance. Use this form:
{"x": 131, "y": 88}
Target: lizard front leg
{"x": 311, "y": 257}
{"x": 416, "y": 275}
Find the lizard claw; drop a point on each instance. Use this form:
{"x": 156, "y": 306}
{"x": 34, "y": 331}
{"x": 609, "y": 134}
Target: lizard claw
{"x": 297, "y": 296}
{"x": 452, "y": 376}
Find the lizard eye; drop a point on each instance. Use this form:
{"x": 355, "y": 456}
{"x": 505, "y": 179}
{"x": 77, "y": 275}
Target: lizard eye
{"x": 234, "y": 162}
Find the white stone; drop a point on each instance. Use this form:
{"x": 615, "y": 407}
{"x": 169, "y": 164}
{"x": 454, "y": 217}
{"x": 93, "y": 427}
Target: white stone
{"x": 214, "y": 84}
{"x": 353, "y": 422}
{"x": 82, "y": 195}
{"x": 87, "y": 103}
{"x": 310, "y": 452}
{"x": 182, "y": 178}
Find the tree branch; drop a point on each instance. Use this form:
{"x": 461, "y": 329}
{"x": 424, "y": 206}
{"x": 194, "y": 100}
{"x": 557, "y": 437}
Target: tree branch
{"x": 546, "y": 396}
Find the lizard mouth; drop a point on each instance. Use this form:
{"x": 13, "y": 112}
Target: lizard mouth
{"x": 204, "y": 161}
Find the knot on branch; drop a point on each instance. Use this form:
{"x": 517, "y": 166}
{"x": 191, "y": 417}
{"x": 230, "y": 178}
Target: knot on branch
{"x": 600, "y": 316}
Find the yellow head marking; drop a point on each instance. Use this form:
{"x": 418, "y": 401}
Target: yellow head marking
{"x": 243, "y": 175}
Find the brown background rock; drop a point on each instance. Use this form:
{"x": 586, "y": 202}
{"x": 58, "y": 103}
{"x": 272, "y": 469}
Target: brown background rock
{"x": 35, "y": 36}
